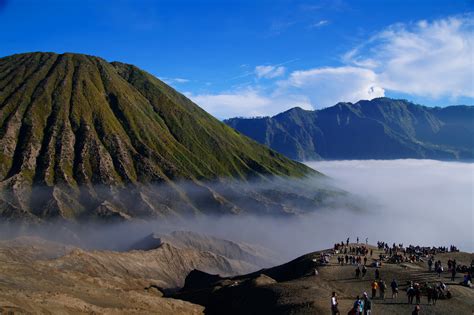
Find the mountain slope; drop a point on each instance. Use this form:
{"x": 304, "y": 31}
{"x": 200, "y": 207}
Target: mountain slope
{"x": 75, "y": 131}
{"x": 257, "y": 256}
{"x": 382, "y": 128}
{"x": 40, "y": 276}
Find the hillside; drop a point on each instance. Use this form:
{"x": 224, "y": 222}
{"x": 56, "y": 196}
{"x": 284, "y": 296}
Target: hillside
{"x": 256, "y": 256}
{"x": 294, "y": 288}
{"x": 382, "y": 128}
{"x": 40, "y": 276}
{"x": 83, "y": 138}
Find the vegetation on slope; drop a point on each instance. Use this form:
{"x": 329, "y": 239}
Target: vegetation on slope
{"x": 75, "y": 130}
{"x": 382, "y": 128}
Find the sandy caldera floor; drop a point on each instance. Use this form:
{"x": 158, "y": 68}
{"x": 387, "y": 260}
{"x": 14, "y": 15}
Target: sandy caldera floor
{"x": 40, "y": 277}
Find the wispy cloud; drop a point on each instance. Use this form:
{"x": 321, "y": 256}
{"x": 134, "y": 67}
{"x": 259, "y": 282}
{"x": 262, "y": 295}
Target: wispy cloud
{"x": 329, "y": 85}
{"x": 264, "y": 71}
{"x": 319, "y": 24}
{"x": 175, "y": 80}
{"x": 247, "y": 101}
{"x": 431, "y": 59}
{"x": 269, "y": 72}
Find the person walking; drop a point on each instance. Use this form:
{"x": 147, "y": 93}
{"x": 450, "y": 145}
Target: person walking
{"x": 367, "y": 305}
{"x": 334, "y": 304}
{"x": 429, "y": 292}
{"x": 439, "y": 270}
{"x": 382, "y": 286}
{"x": 394, "y": 286}
{"x": 356, "y": 306}
{"x": 375, "y": 286}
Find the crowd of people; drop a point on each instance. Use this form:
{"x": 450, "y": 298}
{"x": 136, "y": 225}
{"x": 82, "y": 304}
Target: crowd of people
{"x": 358, "y": 255}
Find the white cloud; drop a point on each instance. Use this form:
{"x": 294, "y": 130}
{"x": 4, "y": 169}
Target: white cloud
{"x": 429, "y": 59}
{"x": 181, "y": 80}
{"x": 327, "y": 86}
{"x": 425, "y": 59}
{"x": 248, "y": 102}
{"x": 175, "y": 80}
{"x": 269, "y": 72}
{"x": 319, "y": 24}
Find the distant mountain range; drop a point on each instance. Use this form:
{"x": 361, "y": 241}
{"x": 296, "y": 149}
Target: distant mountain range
{"x": 382, "y": 128}
{"x": 82, "y": 138}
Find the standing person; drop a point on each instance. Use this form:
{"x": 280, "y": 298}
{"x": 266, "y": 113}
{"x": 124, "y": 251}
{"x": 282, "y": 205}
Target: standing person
{"x": 453, "y": 273}
{"x": 366, "y": 241}
{"x": 417, "y": 293}
{"x": 367, "y": 305}
{"x": 382, "y": 286}
{"x": 357, "y": 240}
{"x": 364, "y": 271}
{"x": 394, "y": 286}
{"x": 361, "y": 306}
{"x": 334, "y": 304}
{"x": 377, "y": 274}
{"x": 347, "y": 242}
{"x": 365, "y": 260}
{"x": 429, "y": 292}
{"x": 435, "y": 295}
{"x": 356, "y": 306}
{"x": 357, "y": 271}
{"x": 410, "y": 294}
{"x": 430, "y": 264}
{"x": 375, "y": 286}
{"x": 439, "y": 270}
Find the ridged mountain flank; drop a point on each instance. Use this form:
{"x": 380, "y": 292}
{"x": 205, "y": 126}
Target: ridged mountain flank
{"x": 382, "y": 128}
{"x": 82, "y": 138}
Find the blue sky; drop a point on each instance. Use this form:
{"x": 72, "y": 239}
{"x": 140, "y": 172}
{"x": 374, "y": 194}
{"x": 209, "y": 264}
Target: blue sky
{"x": 247, "y": 58}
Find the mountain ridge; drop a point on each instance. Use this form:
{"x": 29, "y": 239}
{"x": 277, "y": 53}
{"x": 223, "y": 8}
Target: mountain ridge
{"x": 382, "y": 128}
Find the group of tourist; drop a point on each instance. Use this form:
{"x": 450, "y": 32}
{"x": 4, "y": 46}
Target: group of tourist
{"x": 397, "y": 253}
{"x": 362, "y": 305}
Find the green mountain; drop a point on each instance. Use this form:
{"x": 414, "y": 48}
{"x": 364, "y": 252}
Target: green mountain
{"x": 82, "y": 138}
{"x": 382, "y": 128}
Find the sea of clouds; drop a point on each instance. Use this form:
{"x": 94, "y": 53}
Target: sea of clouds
{"x": 419, "y": 202}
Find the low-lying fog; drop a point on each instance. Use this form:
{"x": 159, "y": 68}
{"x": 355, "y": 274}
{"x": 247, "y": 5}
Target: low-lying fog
{"x": 422, "y": 202}
{"x": 416, "y": 201}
